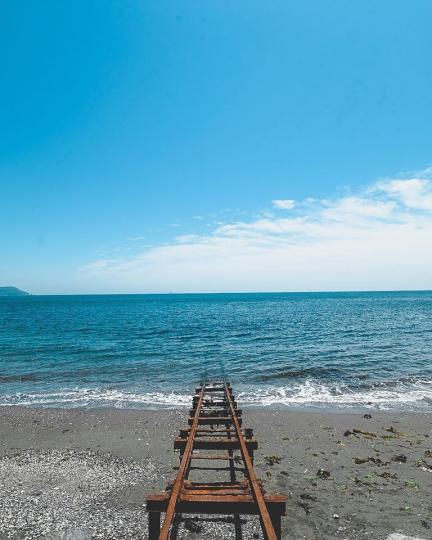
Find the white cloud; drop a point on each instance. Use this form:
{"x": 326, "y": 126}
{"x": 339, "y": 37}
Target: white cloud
{"x": 358, "y": 207}
{"x": 380, "y": 238}
{"x": 284, "y": 204}
{"x": 413, "y": 193}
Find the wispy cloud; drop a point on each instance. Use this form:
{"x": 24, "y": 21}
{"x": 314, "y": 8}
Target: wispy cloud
{"x": 379, "y": 238}
{"x": 136, "y": 238}
{"x": 414, "y": 193}
{"x": 284, "y": 204}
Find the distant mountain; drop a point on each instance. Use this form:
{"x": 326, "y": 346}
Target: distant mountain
{"x": 12, "y": 291}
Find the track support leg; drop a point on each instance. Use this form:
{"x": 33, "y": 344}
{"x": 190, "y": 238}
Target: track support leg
{"x": 277, "y": 524}
{"x": 154, "y": 519}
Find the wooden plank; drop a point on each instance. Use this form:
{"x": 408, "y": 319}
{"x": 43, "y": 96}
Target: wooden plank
{"x": 205, "y": 430}
{"x": 239, "y": 504}
{"x": 213, "y": 421}
{"x": 215, "y": 457}
{"x": 221, "y": 492}
{"x": 213, "y": 389}
{"x": 212, "y": 435}
{"x": 215, "y": 485}
{"x": 211, "y": 399}
{"x": 212, "y": 402}
{"x": 209, "y": 411}
{"x": 201, "y": 432}
{"x": 215, "y": 443}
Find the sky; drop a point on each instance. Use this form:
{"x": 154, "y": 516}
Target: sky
{"x": 215, "y": 146}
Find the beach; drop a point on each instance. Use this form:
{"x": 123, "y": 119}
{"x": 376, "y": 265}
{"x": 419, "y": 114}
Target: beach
{"x": 85, "y": 473}
{"x": 215, "y": 278}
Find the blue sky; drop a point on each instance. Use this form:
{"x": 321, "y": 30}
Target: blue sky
{"x": 134, "y": 135}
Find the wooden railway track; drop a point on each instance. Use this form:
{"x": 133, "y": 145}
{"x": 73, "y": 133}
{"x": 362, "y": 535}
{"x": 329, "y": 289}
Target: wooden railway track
{"x": 213, "y": 406}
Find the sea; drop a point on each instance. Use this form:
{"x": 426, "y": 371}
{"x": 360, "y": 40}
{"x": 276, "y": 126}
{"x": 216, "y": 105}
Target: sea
{"x": 300, "y": 350}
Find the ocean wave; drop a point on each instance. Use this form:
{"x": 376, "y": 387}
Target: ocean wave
{"x": 411, "y": 396}
{"x": 315, "y": 394}
{"x": 284, "y": 373}
{"x": 82, "y": 397}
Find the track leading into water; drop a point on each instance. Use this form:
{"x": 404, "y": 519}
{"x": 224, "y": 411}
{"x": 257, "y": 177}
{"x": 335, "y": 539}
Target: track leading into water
{"x": 213, "y": 406}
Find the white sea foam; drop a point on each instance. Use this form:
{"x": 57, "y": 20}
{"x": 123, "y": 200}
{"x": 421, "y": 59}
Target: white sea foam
{"x": 317, "y": 394}
{"x": 309, "y": 393}
{"x": 97, "y": 397}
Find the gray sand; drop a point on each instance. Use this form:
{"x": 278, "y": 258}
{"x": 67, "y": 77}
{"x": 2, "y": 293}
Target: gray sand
{"x": 80, "y": 474}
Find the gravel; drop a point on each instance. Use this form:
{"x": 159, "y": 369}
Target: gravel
{"x": 75, "y": 497}
{"x": 83, "y": 495}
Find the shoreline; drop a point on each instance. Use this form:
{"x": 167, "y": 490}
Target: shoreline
{"x": 273, "y": 407}
{"x": 85, "y": 472}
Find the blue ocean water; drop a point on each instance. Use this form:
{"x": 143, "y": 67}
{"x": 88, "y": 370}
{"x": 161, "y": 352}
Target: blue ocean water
{"x": 297, "y": 349}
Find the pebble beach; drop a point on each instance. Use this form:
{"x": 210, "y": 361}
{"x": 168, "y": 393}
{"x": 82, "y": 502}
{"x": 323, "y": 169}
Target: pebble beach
{"x": 85, "y": 473}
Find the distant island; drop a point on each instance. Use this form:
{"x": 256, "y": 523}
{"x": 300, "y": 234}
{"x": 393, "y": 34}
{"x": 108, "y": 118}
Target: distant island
{"x": 12, "y": 291}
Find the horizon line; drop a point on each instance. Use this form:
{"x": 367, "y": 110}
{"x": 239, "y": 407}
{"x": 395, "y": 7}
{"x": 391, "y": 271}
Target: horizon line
{"x": 172, "y": 293}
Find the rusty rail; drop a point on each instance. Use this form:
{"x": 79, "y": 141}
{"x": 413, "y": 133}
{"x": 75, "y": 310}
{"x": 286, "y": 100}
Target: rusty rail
{"x": 266, "y": 523}
{"x": 184, "y": 466}
{"x": 214, "y": 405}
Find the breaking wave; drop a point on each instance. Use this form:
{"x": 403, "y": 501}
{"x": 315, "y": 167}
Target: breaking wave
{"x": 310, "y": 393}
{"x": 332, "y": 350}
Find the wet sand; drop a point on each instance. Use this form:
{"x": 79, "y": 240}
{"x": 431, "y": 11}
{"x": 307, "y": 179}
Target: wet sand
{"x": 80, "y": 474}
